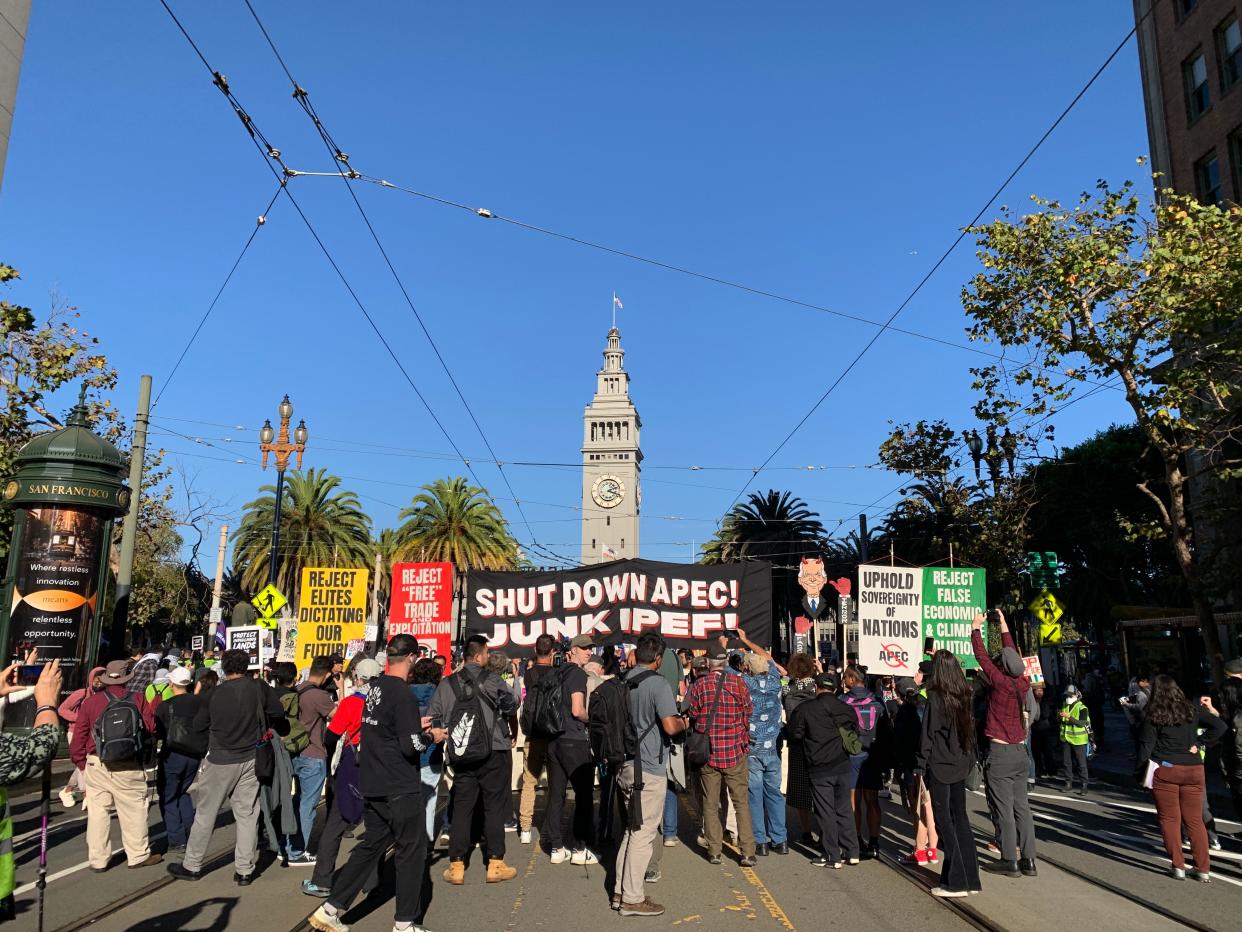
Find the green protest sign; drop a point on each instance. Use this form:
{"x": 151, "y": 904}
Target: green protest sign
{"x": 951, "y": 599}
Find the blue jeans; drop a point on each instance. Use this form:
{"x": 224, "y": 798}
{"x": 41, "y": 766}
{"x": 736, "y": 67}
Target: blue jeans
{"x": 430, "y": 774}
{"x": 179, "y": 773}
{"x": 670, "y": 811}
{"x": 310, "y": 773}
{"x": 767, "y": 804}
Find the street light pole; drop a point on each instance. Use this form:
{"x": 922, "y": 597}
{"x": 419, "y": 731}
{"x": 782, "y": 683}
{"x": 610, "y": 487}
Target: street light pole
{"x": 281, "y": 449}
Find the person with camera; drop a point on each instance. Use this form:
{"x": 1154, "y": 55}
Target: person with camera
{"x": 1006, "y": 765}
{"x": 20, "y": 757}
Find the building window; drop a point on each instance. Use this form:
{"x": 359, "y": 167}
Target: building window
{"x": 592, "y": 543}
{"x": 1229, "y": 53}
{"x": 1235, "y": 156}
{"x": 1198, "y": 100}
{"x": 1207, "y": 179}
{"x": 608, "y": 521}
{"x": 622, "y": 543}
{"x": 1185, "y": 6}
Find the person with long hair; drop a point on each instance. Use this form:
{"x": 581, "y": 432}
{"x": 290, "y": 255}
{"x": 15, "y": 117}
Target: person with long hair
{"x": 1169, "y": 738}
{"x": 945, "y": 755}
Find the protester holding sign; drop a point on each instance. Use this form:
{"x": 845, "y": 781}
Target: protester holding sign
{"x": 1006, "y": 766}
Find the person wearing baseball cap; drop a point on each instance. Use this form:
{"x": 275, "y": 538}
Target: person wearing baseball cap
{"x": 818, "y": 725}
{"x": 181, "y": 752}
{"x": 119, "y": 784}
{"x": 392, "y": 739}
{"x": 1075, "y": 733}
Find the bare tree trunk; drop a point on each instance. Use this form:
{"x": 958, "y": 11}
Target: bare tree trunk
{"x": 1182, "y": 537}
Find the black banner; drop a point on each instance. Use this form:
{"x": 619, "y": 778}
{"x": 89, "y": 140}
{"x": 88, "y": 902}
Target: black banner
{"x": 686, "y": 604}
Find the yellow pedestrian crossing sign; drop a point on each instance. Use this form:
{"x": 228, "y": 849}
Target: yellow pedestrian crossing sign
{"x": 269, "y": 602}
{"x": 1049, "y": 610}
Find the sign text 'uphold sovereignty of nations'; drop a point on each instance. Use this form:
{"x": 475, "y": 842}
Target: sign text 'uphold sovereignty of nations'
{"x": 332, "y": 611}
{"x": 620, "y": 601}
{"x": 422, "y": 604}
{"x": 900, "y": 606}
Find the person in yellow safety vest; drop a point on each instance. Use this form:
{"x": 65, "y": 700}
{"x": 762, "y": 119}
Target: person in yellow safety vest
{"x": 1075, "y": 733}
{"x": 21, "y": 756}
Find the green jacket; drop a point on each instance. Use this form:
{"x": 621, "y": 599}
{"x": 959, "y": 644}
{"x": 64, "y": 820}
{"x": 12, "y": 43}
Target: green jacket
{"x": 1076, "y": 729}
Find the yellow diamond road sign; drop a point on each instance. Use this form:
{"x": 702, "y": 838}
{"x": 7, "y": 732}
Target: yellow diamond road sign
{"x": 269, "y": 601}
{"x": 1048, "y": 609}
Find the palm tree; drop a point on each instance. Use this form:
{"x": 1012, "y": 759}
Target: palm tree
{"x": 321, "y": 525}
{"x": 386, "y": 548}
{"x": 455, "y": 522}
{"x": 933, "y": 515}
{"x": 777, "y": 527}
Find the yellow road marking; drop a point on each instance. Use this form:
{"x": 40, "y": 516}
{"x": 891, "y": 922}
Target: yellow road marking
{"x": 765, "y": 895}
{"x": 695, "y": 918}
{"x": 535, "y": 851}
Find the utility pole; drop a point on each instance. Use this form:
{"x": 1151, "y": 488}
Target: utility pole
{"x": 217, "y": 587}
{"x": 129, "y": 530}
{"x": 375, "y": 599}
{"x": 862, "y": 538}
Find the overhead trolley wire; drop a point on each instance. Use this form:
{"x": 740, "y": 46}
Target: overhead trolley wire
{"x": 342, "y": 159}
{"x": 940, "y": 261}
{"x": 271, "y": 153}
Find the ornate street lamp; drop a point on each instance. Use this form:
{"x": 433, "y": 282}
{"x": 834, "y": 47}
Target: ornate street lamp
{"x": 975, "y": 445}
{"x": 280, "y": 451}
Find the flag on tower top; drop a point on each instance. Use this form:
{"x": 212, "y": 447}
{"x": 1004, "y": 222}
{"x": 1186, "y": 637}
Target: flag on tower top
{"x": 616, "y": 302}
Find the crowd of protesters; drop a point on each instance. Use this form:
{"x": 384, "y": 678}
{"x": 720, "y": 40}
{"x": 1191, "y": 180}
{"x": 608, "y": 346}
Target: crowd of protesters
{"x": 370, "y": 748}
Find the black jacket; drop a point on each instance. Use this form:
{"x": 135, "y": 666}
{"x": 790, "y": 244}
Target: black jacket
{"x": 941, "y": 752}
{"x": 817, "y": 723}
{"x": 1231, "y": 712}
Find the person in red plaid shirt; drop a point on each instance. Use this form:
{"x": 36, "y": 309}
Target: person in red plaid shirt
{"x": 730, "y": 739}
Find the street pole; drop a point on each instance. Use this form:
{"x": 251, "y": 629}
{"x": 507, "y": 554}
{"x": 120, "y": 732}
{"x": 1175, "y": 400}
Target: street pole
{"x": 129, "y": 530}
{"x": 862, "y": 538}
{"x": 218, "y": 585}
{"x": 281, "y": 449}
{"x": 375, "y": 600}
{"x": 280, "y": 496}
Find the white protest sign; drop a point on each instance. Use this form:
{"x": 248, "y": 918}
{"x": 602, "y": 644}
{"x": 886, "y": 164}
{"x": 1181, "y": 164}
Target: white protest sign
{"x": 890, "y": 619}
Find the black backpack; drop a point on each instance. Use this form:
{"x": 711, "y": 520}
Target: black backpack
{"x": 120, "y": 734}
{"x": 543, "y": 712}
{"x": 611, "y": 728}
{"x": 469, "y": 741}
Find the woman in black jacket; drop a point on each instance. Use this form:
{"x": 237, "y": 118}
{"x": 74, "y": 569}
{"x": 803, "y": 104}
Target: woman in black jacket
{"x": 945, "y": 755}
{"x": 1170, "y": 748}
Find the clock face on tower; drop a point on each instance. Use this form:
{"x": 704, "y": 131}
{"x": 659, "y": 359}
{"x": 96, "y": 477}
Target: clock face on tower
{"x": 608, "y": 491}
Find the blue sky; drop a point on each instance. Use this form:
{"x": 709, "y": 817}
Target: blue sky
{"x": 828, "y": 152}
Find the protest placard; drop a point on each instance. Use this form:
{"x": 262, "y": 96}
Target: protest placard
{"x": 951, "y": 599}
{"x": 422, "y": 604}
{"x": 332, "y": 611}
{"x": 247, "y": 639}
{"x": 890, "y": 619}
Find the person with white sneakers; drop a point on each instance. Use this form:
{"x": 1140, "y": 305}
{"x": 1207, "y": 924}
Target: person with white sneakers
{"x": 570, "y": 764}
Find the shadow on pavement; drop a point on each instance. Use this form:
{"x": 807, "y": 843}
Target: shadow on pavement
{"x": 184, "y": 918}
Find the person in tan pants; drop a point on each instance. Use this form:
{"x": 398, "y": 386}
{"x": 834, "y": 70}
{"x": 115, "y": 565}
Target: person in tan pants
{"x": 535, "y": 751}
{"x": 119, "y": 784}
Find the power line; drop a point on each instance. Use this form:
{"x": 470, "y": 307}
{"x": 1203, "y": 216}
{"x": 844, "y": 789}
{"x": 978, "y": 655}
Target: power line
{"x": 271, "y": 153}
{"x": 259, "y": 223}
{"x": 939, "y": 262}
{"x": 339, "y": 157}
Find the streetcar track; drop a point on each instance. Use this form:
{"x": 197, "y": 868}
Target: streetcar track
{"x": 224, "y": 857}
{"x": 960, "y": 906}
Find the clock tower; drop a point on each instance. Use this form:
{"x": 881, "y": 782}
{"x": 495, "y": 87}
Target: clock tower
{"x": 611, "y": 462}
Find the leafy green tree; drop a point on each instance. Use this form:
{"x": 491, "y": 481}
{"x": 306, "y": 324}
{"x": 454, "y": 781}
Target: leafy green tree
{"x": 36, "y": 360}
{"x": 1089, "y": 511}
{"x": 320, "y": 525}
{"x": 1145, "y": 297}
{"x": 777, "y": 527}
{"x": 454, "y": 521}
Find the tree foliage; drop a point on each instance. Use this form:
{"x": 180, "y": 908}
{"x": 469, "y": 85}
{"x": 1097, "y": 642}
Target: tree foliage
{"x": 454, "y": 521}
{"x": 774, "y": 526}
{"x": 1143, "y": 297}
{"x": 321, "y": 525}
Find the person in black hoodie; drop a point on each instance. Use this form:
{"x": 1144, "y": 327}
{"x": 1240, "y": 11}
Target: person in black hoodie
{"x": 945, "y": 755}
{"x": 1231, "y": 747}
{"x": 393, "y": 737}
{"x": 817, "y": 723}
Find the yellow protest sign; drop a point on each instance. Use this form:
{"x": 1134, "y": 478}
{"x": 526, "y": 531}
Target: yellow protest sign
{"x": 1049, "y": 610}
{"x": 332, "y": 611}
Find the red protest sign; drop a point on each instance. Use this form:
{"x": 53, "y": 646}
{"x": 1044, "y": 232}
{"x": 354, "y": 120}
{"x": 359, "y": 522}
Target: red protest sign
{"x": 422, "y": 604}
